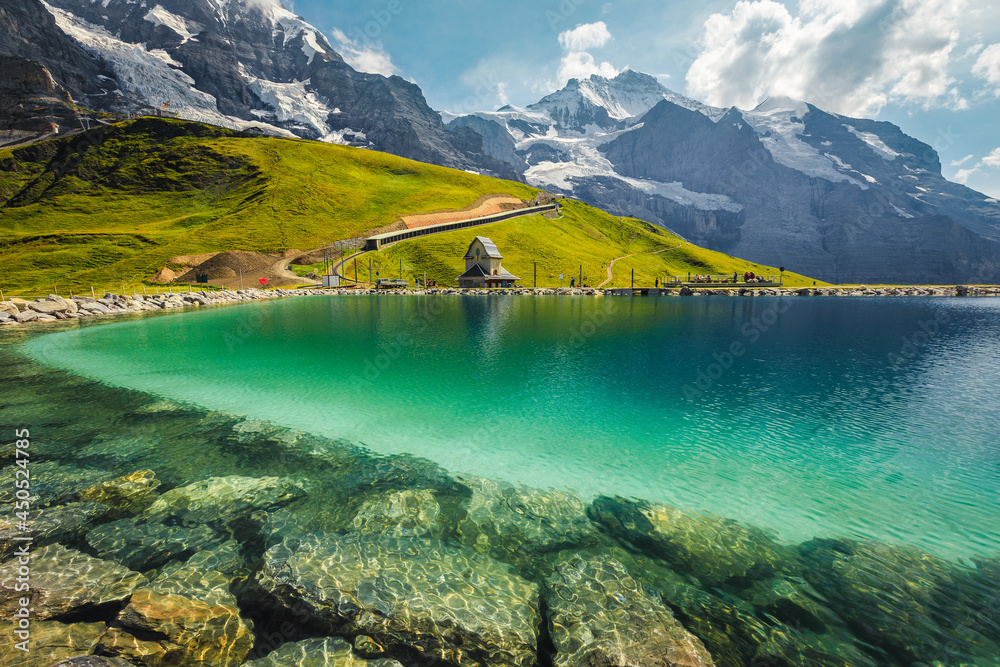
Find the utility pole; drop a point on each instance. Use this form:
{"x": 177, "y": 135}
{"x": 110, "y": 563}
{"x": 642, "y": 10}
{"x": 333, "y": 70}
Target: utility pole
{"x": 400, "y": 268}
{"x": 534, "y": 280}
{"x": 580, "y": 282}
{"x": 633, "y": 278}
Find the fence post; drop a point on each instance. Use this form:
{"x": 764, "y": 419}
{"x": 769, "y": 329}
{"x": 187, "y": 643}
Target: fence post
{"x": 92, "y": 293}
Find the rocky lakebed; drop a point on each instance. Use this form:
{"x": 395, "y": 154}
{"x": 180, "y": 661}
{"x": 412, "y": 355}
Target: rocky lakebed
{"x": 165, "y": 535}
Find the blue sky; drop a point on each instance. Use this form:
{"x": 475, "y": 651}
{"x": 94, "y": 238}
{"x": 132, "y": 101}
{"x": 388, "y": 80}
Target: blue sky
{"x": 930, "y": 66}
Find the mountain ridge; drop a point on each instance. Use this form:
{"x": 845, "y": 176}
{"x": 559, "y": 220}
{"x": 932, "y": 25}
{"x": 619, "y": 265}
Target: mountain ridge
{"x": 844, "y": 199}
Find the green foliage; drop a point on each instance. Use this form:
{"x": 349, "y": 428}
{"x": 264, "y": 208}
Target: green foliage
{"x": 115, "y": 204}
{"x": 583, "y": 237}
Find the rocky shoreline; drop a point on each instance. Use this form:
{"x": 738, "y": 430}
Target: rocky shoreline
{"x": 55, "y": 308}
{"x": 395, "y": 562}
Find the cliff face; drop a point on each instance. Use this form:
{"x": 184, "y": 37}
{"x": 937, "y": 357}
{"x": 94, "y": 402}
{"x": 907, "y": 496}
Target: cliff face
{"x": 882, "y": 227}
{"x": 28, "y": 31}
{"x": 32, "y": 105}
{"x": 236, "y": 64}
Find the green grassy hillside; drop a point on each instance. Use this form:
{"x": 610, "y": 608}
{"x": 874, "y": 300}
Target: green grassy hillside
{"x": 584, "y": 237}
{"x": 114, "y": 205}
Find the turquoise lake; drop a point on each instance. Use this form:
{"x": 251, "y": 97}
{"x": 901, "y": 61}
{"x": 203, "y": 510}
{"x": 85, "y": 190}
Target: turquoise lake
{"x": 864, "y": 418}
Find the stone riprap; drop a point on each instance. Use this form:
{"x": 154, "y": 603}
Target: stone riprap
{"x": 51, "y": 642}
{"x": 410, "y": 595}
{"x": 224, "y": 499}
{"x": 711, "y": 548}
{"x": 52, "y": 524}
{"x": 143, "y": 545}
{"x": 515, "y": 523}
{"x": 600, "y": 615}
{"x": 64, "y": 580}
{"x": 190, "y": 620}
{"x": 400, "y": 514}
{"x": 321, "y": 652}
{"x": 126, "y": 495}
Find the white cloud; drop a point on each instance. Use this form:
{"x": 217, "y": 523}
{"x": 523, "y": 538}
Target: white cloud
{"x": 992, "y": 160}
{"x": 368, "y": 57}
{"x": 852, "y": 57}
{"x": 577, "y": 62}
{"x": 585, "y": 37}
{"x": 959, "y": 163}
{"x": 962, "y": 176}
{"x": 581, "y": 65}
{"x": 987, "y": 67}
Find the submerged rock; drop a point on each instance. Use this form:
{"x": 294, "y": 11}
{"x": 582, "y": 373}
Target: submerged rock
{"x": 224, "y": 498}
{"x": 400, "y": 514}
{"x": 143, "y": 545}
{"x": 53, "y": 524}
{"x": 51, "y": 483}
{"x": 325, "y": 652}
{"x": 709, "y": 547}
{"x": 188, "y": 618}
{"x": 410, "y": 595}
{"x": 126, "y": 495}
{"x": 64, "y": 580}
{"x": 224, "y": 558}
{"x": 734, "y": 630}
{"x": 50, "y": 642}
{"x": 901, "y": 599}
{"x": 515, "y": 523}
{"x": 600, "y": 615}
{"x": 92, "y": 661}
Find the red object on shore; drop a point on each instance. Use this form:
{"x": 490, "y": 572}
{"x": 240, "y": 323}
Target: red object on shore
{"x": 263, "y": 281}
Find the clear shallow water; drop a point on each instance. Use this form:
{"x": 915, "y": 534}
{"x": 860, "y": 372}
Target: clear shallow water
{"x": 826, "y": 422}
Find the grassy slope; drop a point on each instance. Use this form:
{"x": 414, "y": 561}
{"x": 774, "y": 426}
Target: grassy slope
{"x": 584, "y": 236}
{"x": 112, "y": 208}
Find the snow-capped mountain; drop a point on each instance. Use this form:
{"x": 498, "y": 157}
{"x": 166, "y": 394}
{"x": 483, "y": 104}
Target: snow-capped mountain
{"x": 235, "y": 63}
{"x": 787, "y": 184}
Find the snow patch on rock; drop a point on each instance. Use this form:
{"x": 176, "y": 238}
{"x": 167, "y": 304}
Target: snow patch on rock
{"x": 180, "y": 25}
{"x": 292, "y": 102}
{"x": 779, "y": 124}
{"x": 875, "y": 143}
{"x": 148, "y": 76}
{"x": 587, "y": 162}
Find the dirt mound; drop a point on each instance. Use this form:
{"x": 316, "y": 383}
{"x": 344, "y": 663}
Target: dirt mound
{"x": 224, "y": 269}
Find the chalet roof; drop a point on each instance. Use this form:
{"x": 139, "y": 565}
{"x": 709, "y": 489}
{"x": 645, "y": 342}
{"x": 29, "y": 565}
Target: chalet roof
{"x": 491, "y": 248}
